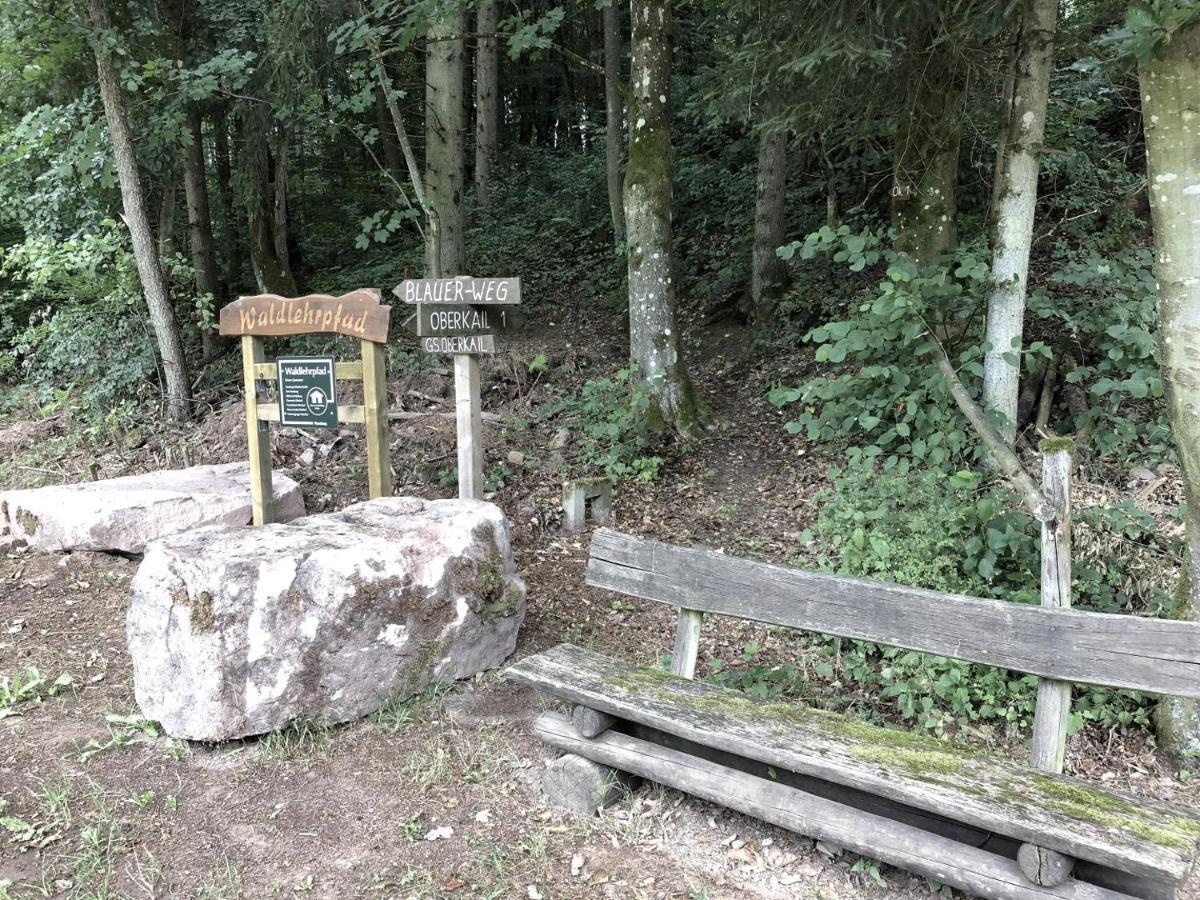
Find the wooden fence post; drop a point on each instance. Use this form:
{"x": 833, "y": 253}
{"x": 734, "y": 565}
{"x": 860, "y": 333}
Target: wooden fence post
{"x": 1046, "y": 867}
{"x": 687, "y": 643}
{"x": 258, "y": 437}
{"x": 468, "y": 411}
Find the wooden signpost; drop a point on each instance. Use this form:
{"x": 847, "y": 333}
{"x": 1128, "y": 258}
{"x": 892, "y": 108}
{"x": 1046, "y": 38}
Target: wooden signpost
{"x": 307, "y": 390}
{"x": 460, "y": 316}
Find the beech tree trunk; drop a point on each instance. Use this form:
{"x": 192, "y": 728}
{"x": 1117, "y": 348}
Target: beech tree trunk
{"x": 391, "y": 150}
{"x": 1170, "y": 87}
{"x": 653, "y": 335}
{"x": 924, "y": 190}
{"x": 204, "y": 257}
{"x": 444, "y": 133}
{"x": 768, "y": 273}
{"x": 614, "y": 107}
{"x": 254, "y": 175}
{"x": 487, "y": 102}
{"x": 166, "y": 220}
{"x": 1016, "y": 202}
{"x": 150, "y": 274}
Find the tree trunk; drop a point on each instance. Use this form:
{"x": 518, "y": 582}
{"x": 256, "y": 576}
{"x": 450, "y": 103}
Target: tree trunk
{"x": 444, "y": 136}
{"x": 769, "y": 273}
{"x": 653, "y": 335}
{"x": 154, "y": 286}
{"x": 280, "y": 223}
{"x": 487, "y": 102}
{"x": 391, "y": 150}
{"x": 166, "y": 220}
{"x": 254, "y": 175}
{"x": 1170, "y": 88}
{"x": 614, "y": 134}
{"x": 229, "y": 224}
{"x": 924, "y": 202}
{"x": 204, "y": 257}
{"x": 1014, "y": 215}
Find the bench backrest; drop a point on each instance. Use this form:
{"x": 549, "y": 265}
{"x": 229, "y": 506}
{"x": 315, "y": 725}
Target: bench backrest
{"x": 1155, "y": 655}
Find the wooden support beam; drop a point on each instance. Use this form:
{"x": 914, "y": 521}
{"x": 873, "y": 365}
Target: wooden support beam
{"x": 352, "y": 415}
{"x": 375, "y": 406}
{"x": 1041, "y": 865}
{"x": 590, "y": 722}
{"x": 687, "y": 643}
{"x": 258, "y": 438}
{"x": 941, "y": 859}
{"x": 1155, "y": 655}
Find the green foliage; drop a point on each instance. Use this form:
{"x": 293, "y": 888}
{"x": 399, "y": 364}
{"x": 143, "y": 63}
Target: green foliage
{"x": 1149, "y": 27}
{"x": 614, "y": 433}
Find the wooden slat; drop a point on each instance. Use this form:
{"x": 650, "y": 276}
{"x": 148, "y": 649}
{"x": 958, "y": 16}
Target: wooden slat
{"x": 986, "y": 792}
{"x": 1155, "y": 655}
{"x": 357, "y": 414}
{"x": 687, "y": 643}
{"x": 958, "y": 865}
{"x": 351, "y": 370}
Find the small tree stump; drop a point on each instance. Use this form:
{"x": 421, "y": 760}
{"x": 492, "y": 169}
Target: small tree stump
{"x": 581, "y": 786}
{"x": 1047, "y": 868}
{"x": 594, "y": 494}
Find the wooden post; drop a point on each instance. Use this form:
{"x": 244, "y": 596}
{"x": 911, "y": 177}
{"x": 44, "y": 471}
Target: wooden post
{"x": 258, "y": 438}
{"x": 379, "y": 463}
{"x": 1042, "y": 866}
{"x": 469, "y": 413}
{"x": 687, "y": 643}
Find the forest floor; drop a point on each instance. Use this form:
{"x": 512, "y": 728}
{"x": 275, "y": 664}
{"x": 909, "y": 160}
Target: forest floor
{"x": 439, "y": 796}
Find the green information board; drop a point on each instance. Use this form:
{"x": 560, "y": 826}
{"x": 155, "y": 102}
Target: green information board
{"x": 307, "y": 392}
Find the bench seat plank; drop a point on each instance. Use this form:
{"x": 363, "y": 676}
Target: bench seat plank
{"x": 1155, "y": 655}
{"x": 1052, "y": 811}
{"x": 958, "y": 865}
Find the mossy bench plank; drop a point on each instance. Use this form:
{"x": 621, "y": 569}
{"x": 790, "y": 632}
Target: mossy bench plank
{"x": 1005, "y": 797}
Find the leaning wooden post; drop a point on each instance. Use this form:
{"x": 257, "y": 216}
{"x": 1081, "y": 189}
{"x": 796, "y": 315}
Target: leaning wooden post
{"x": 1046, "y": 867}
{"x": 258, "y": 437}
{"x": 687, "y": 643}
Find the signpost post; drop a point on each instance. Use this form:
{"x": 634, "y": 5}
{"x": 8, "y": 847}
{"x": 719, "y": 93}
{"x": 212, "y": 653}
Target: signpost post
{"x": 459, "y": 316}
{"x": 307, "y": 384}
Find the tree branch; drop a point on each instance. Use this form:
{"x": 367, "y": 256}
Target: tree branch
{"x": 1004, "y": 456}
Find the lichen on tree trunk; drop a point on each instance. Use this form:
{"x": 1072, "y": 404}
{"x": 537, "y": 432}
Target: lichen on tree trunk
{"x": 1170, "y": 87}
{"x": 1016, "y": 197}
{"x": 653, "y": 335}
{"x": 924, "y": 189}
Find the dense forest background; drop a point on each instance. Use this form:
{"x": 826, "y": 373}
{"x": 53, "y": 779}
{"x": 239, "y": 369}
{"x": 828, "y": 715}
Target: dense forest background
{"x": 841, "y": 180}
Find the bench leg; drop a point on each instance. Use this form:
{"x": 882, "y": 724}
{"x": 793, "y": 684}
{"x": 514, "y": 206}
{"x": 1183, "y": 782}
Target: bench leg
{"x": 1047, "y": 868}
{"x": 590, "y": 722}
{"x": 581, "y": 786}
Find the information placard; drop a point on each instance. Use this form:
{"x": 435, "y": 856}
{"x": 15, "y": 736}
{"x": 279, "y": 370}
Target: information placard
{"x": 307, "y": 392}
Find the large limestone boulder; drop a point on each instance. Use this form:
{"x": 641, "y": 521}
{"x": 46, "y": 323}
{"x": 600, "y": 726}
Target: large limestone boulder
{"x": 239, "y": 631}
{"x": 123, "y": 514}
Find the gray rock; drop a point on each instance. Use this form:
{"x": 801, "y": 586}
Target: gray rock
{"x": 560, "y": 440}
{"x": 239, "y": 631}
{"x": 123, "y": 514}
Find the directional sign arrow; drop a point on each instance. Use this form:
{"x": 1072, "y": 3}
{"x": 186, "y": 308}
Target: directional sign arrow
{"x": 463, "y": 289}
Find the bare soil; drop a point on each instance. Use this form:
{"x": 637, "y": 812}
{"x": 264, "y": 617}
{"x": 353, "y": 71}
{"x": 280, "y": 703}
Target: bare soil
{"x": 438, "y": 796}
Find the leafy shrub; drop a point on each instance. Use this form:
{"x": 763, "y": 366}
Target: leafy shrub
{"x": 610, "y": 416}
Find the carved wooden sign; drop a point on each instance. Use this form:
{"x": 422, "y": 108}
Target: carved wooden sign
{"x": 357, "y": 314}
{"x": 463, "y": 289}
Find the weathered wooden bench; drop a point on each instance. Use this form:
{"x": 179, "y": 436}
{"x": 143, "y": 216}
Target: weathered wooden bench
{"x": 966, "y": 818}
